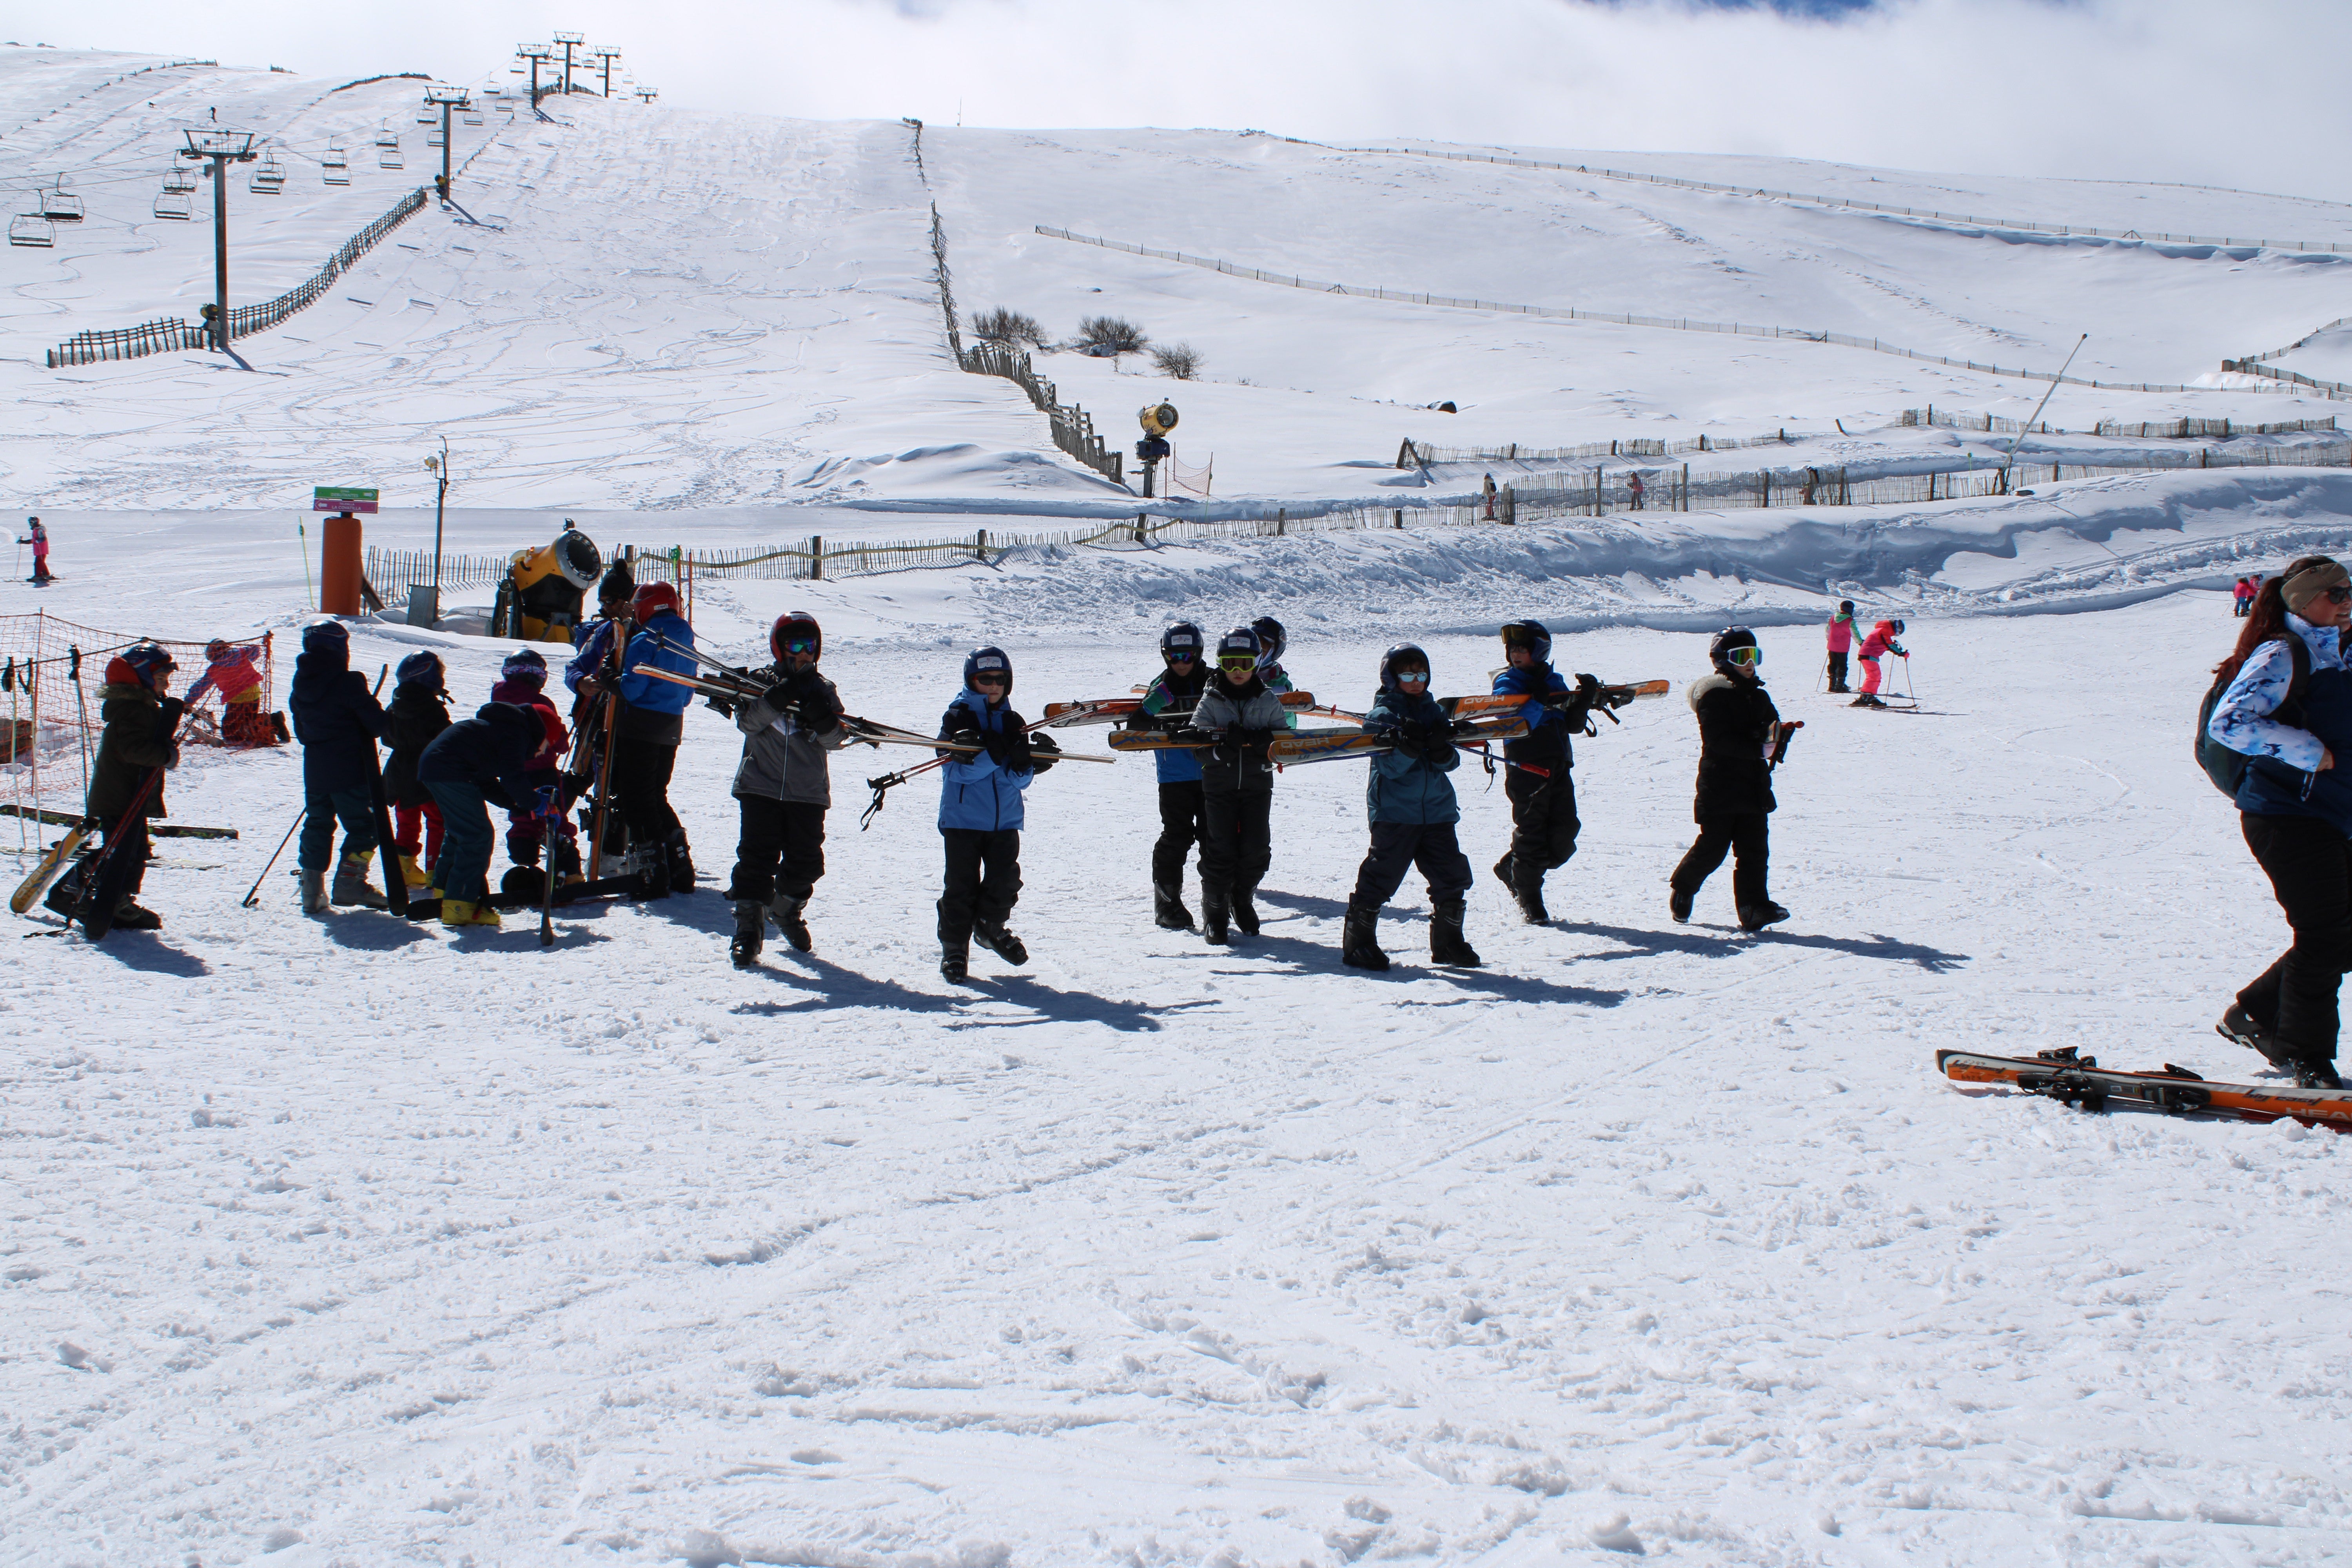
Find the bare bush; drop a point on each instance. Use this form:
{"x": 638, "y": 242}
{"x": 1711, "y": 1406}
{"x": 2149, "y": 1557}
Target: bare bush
{"x": 1182, "y": 361}
{"x": 1008, "y": 327}
{"x": 1110, "y": 335}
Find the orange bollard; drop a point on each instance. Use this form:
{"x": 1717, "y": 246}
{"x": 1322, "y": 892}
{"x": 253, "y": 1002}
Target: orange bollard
{"x": 339, "y": 566}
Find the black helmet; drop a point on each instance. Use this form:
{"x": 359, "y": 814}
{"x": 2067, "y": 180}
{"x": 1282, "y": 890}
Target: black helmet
{"x": 1406, "y": 655}
{"x": 1897, "y": 627}
{"x": 1183, "y": 638}
{"x": 1532, "y": 636}
{"x": 1241, "y": 640}
{"x": 1272, "y": 638}
{"x": 1718, "y": 652}
{"x": 992, "y": 660}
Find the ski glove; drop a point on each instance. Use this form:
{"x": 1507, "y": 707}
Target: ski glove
{"x": 547, "y": 801}
{"x": 1043, "y": 751}
{"x": 168, "y": 714}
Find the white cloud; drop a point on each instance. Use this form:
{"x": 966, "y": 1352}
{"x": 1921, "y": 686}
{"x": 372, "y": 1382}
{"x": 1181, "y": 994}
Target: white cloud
{"x": 2246, "y": 94}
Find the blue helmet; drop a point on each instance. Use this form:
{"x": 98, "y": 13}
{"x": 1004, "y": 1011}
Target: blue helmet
{"x": 1183, "y": 637}
{"x": 1272, "y": 638}
{"x": 150, "y": 661}
{"x": 1404, "y": 654}
{"x": 422, "y": 669}
{"x": 988, "y": 658}
{"x": 1531, "y": 635}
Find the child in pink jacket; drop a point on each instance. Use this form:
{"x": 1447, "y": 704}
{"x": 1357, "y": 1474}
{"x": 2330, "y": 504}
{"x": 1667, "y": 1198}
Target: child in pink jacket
{"x": 1841, "y": 638}
{"x": 1875, "y": 646}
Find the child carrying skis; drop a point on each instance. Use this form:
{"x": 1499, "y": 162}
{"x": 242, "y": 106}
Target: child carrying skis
{"x": 419, "y": 712}
{"x": 1174, "y": 692}
{"x": 783, "y": 787}
{"x": 140, "y": 722}
{"x": 982, "y": 811}
{"x": 1411, "y": 803}
{"x": 1875, "y": 646}
{"x": 1244, "y": 715}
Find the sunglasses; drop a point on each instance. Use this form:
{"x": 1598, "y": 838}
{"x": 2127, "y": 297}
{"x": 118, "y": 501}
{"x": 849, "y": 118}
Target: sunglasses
{"x": 2337, "y": 596}
{"x": 989, "y": 678}
{"x": 799, "y": 644}
{"x": 1745, "y": 655}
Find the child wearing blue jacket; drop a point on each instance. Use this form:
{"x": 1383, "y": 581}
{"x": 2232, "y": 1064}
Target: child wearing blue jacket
{"x": 981, "y": 797}
{"x": 648, "y": 727}
{"x": 1411, "y": 803}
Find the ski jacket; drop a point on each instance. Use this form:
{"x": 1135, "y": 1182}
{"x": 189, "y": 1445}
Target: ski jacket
{"x": 1547, "y": 742}
{"x": 534, "y": 699}
{"x": 234, "y": 675}
{"x": 1881, "y": 641}
{"x": 1276, "y": 678}
{"x": 596, "y": 647}
{"x": 653, "y": 710}
{"x": 417, "y": 714}
{"x": 1841, "y": 634}
{"x": 491, "y": 751}
{"x": 1247, "y": 718}
{"x": 1734, "y": 747}
{"x": 1174, "y": 696}
{"x": 975, "y": 792}
{"x": 39, "y": 540}
{"x": 137, "y": 739}
{"x": 338, "y": 721}
{"x": 782, "y": 758}
{"x": 2271, "y": 788}
{"x": 1404, "y": 785}
{"x": 2243, "y": 720}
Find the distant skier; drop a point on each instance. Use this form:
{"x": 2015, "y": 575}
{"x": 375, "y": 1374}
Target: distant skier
{"x": 1236, "y": 785}
{"x": 1542, "y": 793}
{"x": 419, "y": 712}
{"x": 472, "y": 766}
{"x": 233, "y": 669}
{"x": 2241, "y": 597}
{"x": 338, "y": 721}
{"x": 981, "y": 809}
{"x": 1875, "y": 646}
{"x": 2294, "y": 813}
{"x": 1412, "y": 810}
{"x": 1168, "y": 705}
{"x": 523, "y": 682}
{"x": 783, "y": 787}
{"x": 1841, "y": 643}
{"x": 38, "y": 538}
{"x": 1741, "y": 740}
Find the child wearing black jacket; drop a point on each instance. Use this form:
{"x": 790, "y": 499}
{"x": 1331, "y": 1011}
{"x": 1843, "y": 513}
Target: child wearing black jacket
{"x": 419, "y": 712}
{"x": 1741, "y": 739}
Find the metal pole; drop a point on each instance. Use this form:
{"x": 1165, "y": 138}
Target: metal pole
{"x": 440, "y": 501}
{"x": 220, "y": 251}
{"x": 445, "y": 151}
{"x": 2010, "y": 458}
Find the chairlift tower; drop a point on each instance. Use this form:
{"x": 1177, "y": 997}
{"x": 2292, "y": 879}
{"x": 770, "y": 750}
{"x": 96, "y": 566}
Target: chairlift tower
{"x": 605, "y": 56}
{"x": 537, "y": 53}
{"x": 646, "y": 95}
{"x": 223, "y": 148}
{"x": 570, "y": 41}
{"x": 446, "y": 98}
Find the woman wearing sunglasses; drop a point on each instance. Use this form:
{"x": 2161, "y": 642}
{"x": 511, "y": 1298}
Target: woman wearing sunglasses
{"x": 2288, "y": 692}
{"x": 1740, "y": 741}
{"x": 1236, "y": 784}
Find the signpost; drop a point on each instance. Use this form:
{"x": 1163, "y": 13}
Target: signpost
{"x": 342, "y": 498}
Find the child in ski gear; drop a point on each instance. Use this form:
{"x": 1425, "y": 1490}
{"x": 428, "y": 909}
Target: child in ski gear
{"x": 523, "y": 682}
{"x": 1877, "y": 645}
{"x": 1538, "y": 785}
{"x": 1273, "y": 640}
{"x": 1840, "y": 641}
{"x": 2241, "y": 597}
{"x": 982, "y": 811}
{"x": 338, "y": 721}
{"x": 419, "y": 712}
{"x": 1412, "y": 810}
{"x": 38, "y": 538}
{"x": 1236, "y": 784}
{"x": 470, "y": 766}
{"x": 141, "y": 723}
{"x": 613, "y": 596}
{"x": 234, "y": 669}
{"x": 648, "y": 725}
{"x": 2272, "y": 712}
{"x": 1168, "y": 705}
{"x": 784, "y": 786}
{"x": 1741, "y": 740}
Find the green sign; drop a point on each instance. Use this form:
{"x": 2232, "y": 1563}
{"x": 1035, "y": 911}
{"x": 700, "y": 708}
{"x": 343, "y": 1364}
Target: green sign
{"x": 342, "y": 498}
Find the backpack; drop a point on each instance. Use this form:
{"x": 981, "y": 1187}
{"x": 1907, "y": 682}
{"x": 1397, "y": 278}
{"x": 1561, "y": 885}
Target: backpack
{"x": 2225, "y": 767}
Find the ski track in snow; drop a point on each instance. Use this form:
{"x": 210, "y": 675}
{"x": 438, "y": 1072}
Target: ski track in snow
{"x": 1150, "y": 1253}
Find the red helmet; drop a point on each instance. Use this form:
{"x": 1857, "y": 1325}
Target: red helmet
{"x": 792, "y": 627}
{"x": 652, "y": 598}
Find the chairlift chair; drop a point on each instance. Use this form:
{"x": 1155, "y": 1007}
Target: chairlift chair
{"x": 336, "y": 174}
{"x": 172, "y": 204}
{"x": 390, "y": 161}
{"x": 32, "y": 228}
{"x": 424, "y": 117}
{"x": 386, "y": 137}
{"x": 473, "y": 120}
{"x": 180, "y": 180}
{"x": 336, "y": 157}
{"x": 60, "y": 207}
{"x": 434, "y": 140}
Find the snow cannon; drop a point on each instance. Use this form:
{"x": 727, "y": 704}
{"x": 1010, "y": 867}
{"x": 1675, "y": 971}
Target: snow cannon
{"x": 1157, "y": 419}
{"x": 544, "y": 590}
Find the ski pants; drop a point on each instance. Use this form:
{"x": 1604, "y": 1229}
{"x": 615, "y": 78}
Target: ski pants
{"x": 412, "y": 823}
{"x": 467, "y": 840}
{"x": 641, "y": 771}
{"x": 1745, "y": 834}
{"x": 1397, "y": 847}
{"x": 1870, "y": 677}
{"x": 2310, "y": 868}
{"x": 1180, "y": 829}
{"x": 1837, "y": 672}
{"x": 322, "y": 808}
{"x": 1543, "y": 824}
{"x": 527, "y": 830}
{"x": 1236, "y": 840}
{"x": 126, "y": 862}
{"x": 983, "y": 882}
{"x": 788, "y": 831}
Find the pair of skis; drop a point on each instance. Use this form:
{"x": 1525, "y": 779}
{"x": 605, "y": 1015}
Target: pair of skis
{"x": 2078, "y": 1080}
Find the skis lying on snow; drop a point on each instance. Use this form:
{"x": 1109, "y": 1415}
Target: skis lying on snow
{"x": 1110, "y": 710}
{"x": 2062, "y": 1075}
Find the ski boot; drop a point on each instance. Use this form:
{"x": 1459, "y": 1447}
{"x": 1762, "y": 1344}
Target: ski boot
{"x": 1678, "y": 904}
{"x": 1866, "y": 701}
{"x": 955, "y": 961}
{"x": 786, "y": 910}
{"x": 1528, "y": 896}
{"x": 464, "y": 913}
{"x": 1504, "y": 869}
{"x": 1001, "y": 943}
{"x": 2316, "y": 1074}
{"x": 1245, "y": 912}
{"x": 1755, "y": 917}
{"x": 314, "y": 893}
{"x": 2239, "y": 1024}
{"x": 682, "y": 862}
{"x": 412, "y": 875}
{"x": 1447, "y": 945}
{"x": 751, "y": 928}
{"x": 129, "y": 916}
{"x": 352, "y": 884}
{"x": 1358, "y": 950}
{"x": 1215, "y": 911}
{"x": 568, "y": 869}
{"x": 1168, "y": 908}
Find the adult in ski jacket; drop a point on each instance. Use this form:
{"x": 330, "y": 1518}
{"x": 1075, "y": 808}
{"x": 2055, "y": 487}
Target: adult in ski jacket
{"x": 1839, "y": 634}
{"x": 339, "y": 721}
{"x": 1540, "y": 785}
{"x": 472, "y": 766}
{"x": 419, "y": 712}
{"x": 2287, "y": 809}
{"x": 1242, "y": 716}
{"x": 1168, "y": 705}
{"x": 1875, "y": 646}
{"x": 1411, "y": 805}
{"x": 982, "y": 810}
{"x": 648, "y": 723}
{"x": 142, "y": 722}
{"x": 784, "y": 786}
{"x": 1741, "y": 739}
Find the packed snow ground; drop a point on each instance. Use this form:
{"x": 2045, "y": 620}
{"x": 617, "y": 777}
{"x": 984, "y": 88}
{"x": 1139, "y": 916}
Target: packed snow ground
{"x": 343, "y": 1240}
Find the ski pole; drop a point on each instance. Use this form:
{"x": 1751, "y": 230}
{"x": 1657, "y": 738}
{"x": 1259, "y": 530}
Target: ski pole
{"x": 253, "y": 894}
{"x": 82, "y": 703}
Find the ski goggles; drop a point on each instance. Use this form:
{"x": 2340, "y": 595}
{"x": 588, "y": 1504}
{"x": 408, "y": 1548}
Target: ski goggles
{"x": 1237, "y": 661}
{"x": 1516, "y": 635}
{"x": 1411, "y": 676}
{"x": 799, "y": 644}
{"x": 1747, "y": 654}
{"x": 1182, "y": 656}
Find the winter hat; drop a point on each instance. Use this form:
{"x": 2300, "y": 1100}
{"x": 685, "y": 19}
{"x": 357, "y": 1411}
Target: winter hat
{"x": 2307, "y": 579}
{"x": 327, "y": 636}
{"x": 145, "y": 663}
{"x": 620, "y": 584}
{"x": 1846, "y": 606}
{"x": 526, "y": 664}
{"x": 990, "y": 661}
{"x": 422, "y": 669}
